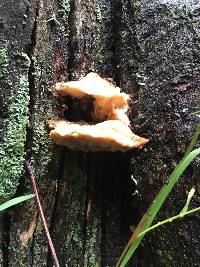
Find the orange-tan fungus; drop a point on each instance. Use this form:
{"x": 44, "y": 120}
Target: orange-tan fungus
{"x": 109, "y": 103}
{"x": 110, "y": 107}
{"x": 111, "y": 135}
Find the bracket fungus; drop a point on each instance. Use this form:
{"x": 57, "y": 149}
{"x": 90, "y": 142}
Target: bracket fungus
{"x": 111, "y": 130}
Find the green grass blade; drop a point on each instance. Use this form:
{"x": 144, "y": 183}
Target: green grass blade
{"x": 145, "y": 221}
{"x": 169, "y": 220}
{"x": 15, "y": 201}
{"x": 140, "y": 236}
{"x": 190, "y": 195}
{"x": 193, "y": 141}
{"x": 155, "y": 207}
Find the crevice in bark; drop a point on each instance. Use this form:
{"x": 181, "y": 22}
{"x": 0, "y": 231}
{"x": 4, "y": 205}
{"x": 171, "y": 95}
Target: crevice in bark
{"x": 29, "y": 134}
{"x": 119, "y": 13}
{"x": 71, "y": 49}
{"x": 6, "y": 218}
{"x": 103, "y": 235}
{"x": 117, "y": 206}
{"x": 6, "y": 225}
{"x": 116, "y": 186}
{"x": 61, "y": 169}
{"x": 71, "y": 43}
{"x": 87, "y": 197}
{"x": 31, "y": 80}
{"x": 116, "y": 25}
{"x": 111, "y": 193}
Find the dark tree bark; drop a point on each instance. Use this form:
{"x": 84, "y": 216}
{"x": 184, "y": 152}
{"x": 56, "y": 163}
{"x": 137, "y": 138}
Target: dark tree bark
{"x": 151, "y": 49}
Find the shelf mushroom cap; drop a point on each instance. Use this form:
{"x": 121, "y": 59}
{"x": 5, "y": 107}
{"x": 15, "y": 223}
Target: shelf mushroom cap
{"x": 109, "y": 108}
{"x": 108, "y": 102}
{"x": 92, "y": 84}
{"x": 111, "y": 135}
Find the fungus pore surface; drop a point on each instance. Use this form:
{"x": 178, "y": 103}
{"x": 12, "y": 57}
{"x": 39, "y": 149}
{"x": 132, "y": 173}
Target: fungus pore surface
{"x": 110, "y": 107}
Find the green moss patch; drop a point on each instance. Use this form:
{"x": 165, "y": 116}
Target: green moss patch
{"x": 14, "y": 131}
{"x": 3, "y": 57}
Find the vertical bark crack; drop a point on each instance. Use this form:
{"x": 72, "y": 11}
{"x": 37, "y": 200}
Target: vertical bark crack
{"x": 29, "y": 133}
{"x": 31, "y": 80}
{"x": 116, "y": 25}
{"x": 87, "y": 199}
{"x": 71, "y": 43}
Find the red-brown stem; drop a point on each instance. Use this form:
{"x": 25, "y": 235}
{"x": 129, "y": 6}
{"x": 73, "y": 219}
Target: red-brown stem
{"x": 35, "y": 188}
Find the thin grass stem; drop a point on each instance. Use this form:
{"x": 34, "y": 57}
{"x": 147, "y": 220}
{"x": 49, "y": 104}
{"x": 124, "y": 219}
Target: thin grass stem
{"x": 35, "y": 188}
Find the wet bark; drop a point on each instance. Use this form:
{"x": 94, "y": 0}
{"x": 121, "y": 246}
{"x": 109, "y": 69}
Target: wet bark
{"x": 151, "y": 50}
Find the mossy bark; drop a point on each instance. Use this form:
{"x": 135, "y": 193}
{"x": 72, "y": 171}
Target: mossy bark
{"x": 151, "y": 49}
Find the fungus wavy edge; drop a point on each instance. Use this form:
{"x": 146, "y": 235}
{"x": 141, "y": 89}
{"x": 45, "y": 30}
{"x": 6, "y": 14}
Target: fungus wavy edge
{"x": 110, "y": 107}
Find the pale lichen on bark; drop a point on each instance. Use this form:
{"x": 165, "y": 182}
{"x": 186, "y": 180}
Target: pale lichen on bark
{"x": 14, "y": 134}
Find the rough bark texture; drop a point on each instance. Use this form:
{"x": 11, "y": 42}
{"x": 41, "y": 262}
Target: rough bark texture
{"x": 151, "y": 49}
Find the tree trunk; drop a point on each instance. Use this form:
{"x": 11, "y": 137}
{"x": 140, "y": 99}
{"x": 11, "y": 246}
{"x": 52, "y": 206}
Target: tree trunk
{"x": 151, "y": 49}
